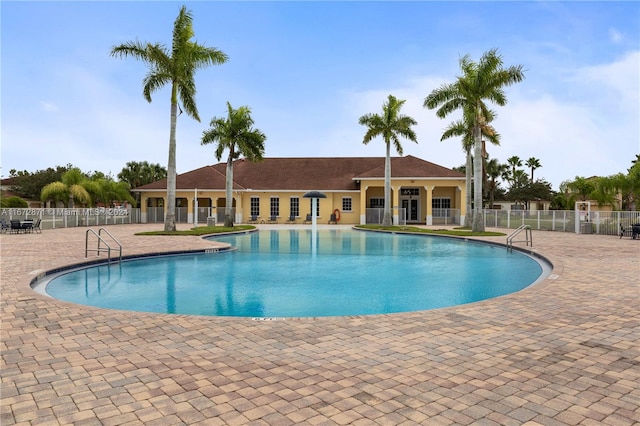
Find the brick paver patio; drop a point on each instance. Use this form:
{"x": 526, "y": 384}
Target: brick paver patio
{"x": 565, "y": 352}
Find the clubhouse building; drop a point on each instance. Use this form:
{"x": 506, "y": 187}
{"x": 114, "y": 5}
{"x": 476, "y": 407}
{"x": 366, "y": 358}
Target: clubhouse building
{"x": 273, "y": 191}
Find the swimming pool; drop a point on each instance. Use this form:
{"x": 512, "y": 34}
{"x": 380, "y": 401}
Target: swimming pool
{"x": 290, "y": 273}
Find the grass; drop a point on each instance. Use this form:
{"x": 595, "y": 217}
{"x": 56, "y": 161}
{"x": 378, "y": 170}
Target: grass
{"x": 459, "y": 232}
{"x": 202, "y": 230}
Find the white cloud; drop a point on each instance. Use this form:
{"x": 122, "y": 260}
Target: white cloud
{"x": 619, "y": 79}
{"x": 615, "y": 36}
{"x": 570, "y": 137}
{"x": 49, "y": 106}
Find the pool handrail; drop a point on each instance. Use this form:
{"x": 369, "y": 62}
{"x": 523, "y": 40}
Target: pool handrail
{"x": 101, "y": 241}
{"x": 527, "y": 233}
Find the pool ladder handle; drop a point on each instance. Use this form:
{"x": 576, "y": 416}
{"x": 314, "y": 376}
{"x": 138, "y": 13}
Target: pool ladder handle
{"x": 527, "y": 234}
{"x": 101, "y": 241}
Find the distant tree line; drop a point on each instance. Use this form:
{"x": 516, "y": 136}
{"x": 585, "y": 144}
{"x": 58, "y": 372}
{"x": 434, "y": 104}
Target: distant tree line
{"x": 510, "y": 182}
{"x": 69, "y": 186}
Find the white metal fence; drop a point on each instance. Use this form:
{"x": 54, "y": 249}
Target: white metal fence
{"x": 581, "y": 222}
{"x": 593, "y": 222}
{"x": 66, "y": 218}
{"x": 374, "y": 216}
{"x": 445, "y": 217}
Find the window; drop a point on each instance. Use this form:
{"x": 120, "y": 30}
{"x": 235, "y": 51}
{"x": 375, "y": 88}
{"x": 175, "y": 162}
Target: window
{"x": 441, "y": 203}
{"x": 376, "y": 203}
{"x": 317, "y": 207}
{"x": 346, "y": 204}
{"x": 441, "y": 207}
{"x": 274, "y": 209}
{"x": 410, "y": 191}
{"x": 255, "y": 206}
{"x": 295, "y": 207}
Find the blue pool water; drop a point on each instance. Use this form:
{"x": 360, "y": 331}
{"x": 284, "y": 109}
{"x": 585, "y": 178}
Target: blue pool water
{"x": 289, "y": 273}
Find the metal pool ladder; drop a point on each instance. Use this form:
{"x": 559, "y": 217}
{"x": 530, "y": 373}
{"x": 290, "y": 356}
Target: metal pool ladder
{"x": 527, "y": 235}
{"x": 103, "y": 246}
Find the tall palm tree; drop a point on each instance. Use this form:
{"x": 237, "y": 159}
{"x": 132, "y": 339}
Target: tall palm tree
{"x": 235, "y": 133}
{"x": 495, "y": 170}
{"x": 514, "y": 162}
{"x": 391, "y": 125}
{"x": 71, "y": 189}
{"x": 479, "y": 82}
{"x": 533, "y": 163}
{"x": 175, "y": 66}
{"x": 136, "y": 174}
{"x": 465, "y": 129}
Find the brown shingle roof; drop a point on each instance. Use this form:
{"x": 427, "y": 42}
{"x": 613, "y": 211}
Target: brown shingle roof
{"x": 303, "y": 174}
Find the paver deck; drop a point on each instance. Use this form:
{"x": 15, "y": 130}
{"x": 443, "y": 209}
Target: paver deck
{"x": 564, "y": 352}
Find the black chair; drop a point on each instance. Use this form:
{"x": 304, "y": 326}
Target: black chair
{"x": 16, "y": 227}
{"x": 273, "y": 219}
{"x": 5, "y": 226}
{"x": 27, "y": 226}
{"x": 308, "y": 219}
{"x": 253, "y": 219}
{"x": 292, "y": 219}
{"x": 36, "y": 226}
{"x": 332, "y": 219}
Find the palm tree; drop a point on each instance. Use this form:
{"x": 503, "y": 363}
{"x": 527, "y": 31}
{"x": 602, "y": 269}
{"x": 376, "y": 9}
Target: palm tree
{"x": 495, "y": 170}
{"x": 390, "y": 125}
{"x": 464, "y": 129}
{"x": 136, "y": 174}
{"x": 533, "y": 163}
{"x": 235, "y": 133}
{"x": 141, "y": 173}
{"x": 176, "y": 66}
{"x": 70, "y": 189}
{"x": 514, "y": 161}
{"x": 109, "y": 191}
{"x": 479, "y": 82}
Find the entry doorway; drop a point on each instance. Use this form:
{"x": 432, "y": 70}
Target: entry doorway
{"x": 412, "y": 207}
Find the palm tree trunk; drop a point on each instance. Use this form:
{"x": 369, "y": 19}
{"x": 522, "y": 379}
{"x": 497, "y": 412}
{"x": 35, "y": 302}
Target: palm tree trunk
{"x": 228, "y": 209}
{"x": 469, "y": 213}
{"x": 386, "y": 220}
{"x": 478, "y": 220}
{"x": 170, "y": 217}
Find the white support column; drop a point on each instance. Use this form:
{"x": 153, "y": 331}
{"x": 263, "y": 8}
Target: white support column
{"x": 363, "y": 204}
{"x": 429, "y": 203}
{"x": 395, "y": 205}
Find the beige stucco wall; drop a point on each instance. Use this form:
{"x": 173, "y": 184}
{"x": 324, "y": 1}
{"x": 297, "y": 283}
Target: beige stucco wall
{"x": 429, "y": 188}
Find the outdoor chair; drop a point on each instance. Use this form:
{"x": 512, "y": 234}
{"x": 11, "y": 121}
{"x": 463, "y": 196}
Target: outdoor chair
{"x": 5, "y": 226}
{"x": 273, "y": 219}
{"x": 27, "y": 226}
{"x": 332, "y": 219}
{"x": 16, "y": 227}
{"x": 292, "y": 219}
{"x": 308, "y": 219}
{"x": 36, "y": 226}
{"x": 633, "y": 231}
{"x": 253, "y": 219}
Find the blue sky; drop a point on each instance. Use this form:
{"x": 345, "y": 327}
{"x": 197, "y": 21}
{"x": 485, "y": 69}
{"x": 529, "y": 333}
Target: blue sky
{"x": 309, "y": 70}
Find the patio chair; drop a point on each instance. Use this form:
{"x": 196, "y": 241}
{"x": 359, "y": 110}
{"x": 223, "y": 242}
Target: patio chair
{"x": 16, "y": 227}
{"x": 308, "y": 219}
{"x": 253, "y": 219}
{"x": 332, "y": 219}
{"x": 292, "y": 219}
{"x": 27, "y": 225}
{"x": 5, "y": 226}
{"x": 36, "y": 226}
{"x": 273, "y": 219}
